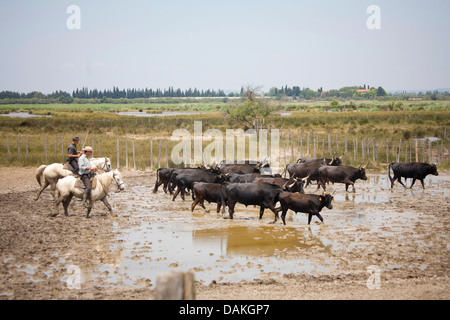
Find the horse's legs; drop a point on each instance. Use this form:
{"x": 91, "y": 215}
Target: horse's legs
{"x": 45, "y": 185}
{"x": 54, "y": 192}
{"x": 105, "y": 201}
{"x": 57, "y": 202}
{"x": 66, "y": 203}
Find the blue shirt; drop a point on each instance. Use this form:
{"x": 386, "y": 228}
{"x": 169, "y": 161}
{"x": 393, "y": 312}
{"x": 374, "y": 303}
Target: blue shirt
{"x": 83, "y": 163}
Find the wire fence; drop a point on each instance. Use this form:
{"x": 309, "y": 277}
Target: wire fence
{"x": 144, "y": 153}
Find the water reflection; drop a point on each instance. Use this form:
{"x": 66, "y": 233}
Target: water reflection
{"x": 256, "y": 241}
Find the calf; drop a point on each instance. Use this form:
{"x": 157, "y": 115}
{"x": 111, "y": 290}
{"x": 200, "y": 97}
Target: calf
{"x": 414, "y": 170}
{"x": 311, "y": 204}
{"x": 211, "y": 192}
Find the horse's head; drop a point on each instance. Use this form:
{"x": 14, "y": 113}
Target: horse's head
{"x": 108, "y": 164}
{"x": 118, "y": 179}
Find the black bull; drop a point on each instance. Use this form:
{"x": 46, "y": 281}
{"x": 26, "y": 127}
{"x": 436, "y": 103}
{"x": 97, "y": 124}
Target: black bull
{"x": 260, "y": 194}
{"x": 310, "y": 168}
{"x": 414, "y": 170}
{"x": 342, "y": 174}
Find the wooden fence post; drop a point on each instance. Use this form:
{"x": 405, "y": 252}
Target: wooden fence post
{"x": 315, "y": 156}
{"x": 151, "y": 154}
{"x": 7, "y": 146}
{"x": 126, "y": 154}
{"x": 117, "y": 153}
{"x": 329, "y": 145}
{"x": 159, "y": 154}
{"x": 45, "y": 147}
{"x": 430, "y": 146}
{"x": 375, "y": 150}
{"x": 417, "y": 151}
{"x": 423, "y": 150}
{"x": 134, "y": 157}
{"x": 26, "y": 146}
{"x": 167, "y": 158}
{"x": 18, "y": 146}
{"x": 307, "y": 146}
{"x": 346, "y": 145}
{"x": 175, "y": 285}
{"x": 387, "y": 150}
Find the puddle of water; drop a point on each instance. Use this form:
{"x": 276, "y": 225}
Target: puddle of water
{"x": 163, "y": 114}
{"x": 22, "y": 115}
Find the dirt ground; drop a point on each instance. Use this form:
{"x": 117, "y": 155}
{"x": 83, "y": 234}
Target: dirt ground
{"x": 404, "y": 234}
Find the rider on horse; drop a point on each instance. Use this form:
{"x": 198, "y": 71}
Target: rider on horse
{"x": 87, "y": 171}
{"x": 73, "y": 155}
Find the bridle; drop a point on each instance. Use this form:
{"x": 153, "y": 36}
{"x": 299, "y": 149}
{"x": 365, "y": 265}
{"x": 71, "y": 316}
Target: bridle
{"x": 116, "y": 178}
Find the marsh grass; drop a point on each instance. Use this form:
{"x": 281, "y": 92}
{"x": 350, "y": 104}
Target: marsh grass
{"x": 103, "y": 123}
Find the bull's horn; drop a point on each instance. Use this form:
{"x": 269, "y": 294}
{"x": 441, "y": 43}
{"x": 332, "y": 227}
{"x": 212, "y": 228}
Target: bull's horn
{"x": 366, "y": 165}
{"x": 333, "y": 192}
{"x": 341, "y": 157}
{"x": 334, "y": 156}
{"x": 291, "y": 185}
{"x": 284, "y": 186}
{"x": 359, "y": 167}
{"x": 306, "y": 178}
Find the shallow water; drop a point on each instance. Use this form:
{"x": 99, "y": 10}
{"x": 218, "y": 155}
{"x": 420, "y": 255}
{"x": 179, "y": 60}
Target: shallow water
{"x": 163, "y": 114}
{"x": 166, "y": 235}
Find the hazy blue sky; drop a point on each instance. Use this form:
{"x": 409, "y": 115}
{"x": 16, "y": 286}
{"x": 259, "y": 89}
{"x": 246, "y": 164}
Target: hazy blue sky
{"x": 223, "y": 44}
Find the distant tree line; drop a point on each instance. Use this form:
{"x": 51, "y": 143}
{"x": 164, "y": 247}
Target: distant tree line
{"x": 117, "y": 95}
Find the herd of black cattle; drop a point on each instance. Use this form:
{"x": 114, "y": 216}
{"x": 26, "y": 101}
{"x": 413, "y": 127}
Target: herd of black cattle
{"x": 252, "y": 183}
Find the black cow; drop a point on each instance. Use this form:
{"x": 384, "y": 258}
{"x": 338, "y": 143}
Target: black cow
{"x": 175, "y": 172}
{"x": 260, "y": 194}
{"x": 306, "y": 169}
{"x": 331, "y": 162}
{"x": 311, "y": 204}
{"x": 291, "y": 185}
{"x": 243, "y": 168}
{"x": 211, "y": 192}
{"x": 247, "y": 177}
{"x": 414, "y": 170}
{"x": 186, "y": 180}
{"x": 342, "y": 174}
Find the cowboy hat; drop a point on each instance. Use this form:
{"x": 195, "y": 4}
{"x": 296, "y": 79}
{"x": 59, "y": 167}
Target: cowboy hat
{"x": 88, "y": 148}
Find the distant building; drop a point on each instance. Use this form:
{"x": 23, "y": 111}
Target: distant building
{"x": 363, "y": 90}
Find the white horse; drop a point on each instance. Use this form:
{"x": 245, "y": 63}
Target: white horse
{"x": 66, "y": 188}
{"x": 55, "y": 171}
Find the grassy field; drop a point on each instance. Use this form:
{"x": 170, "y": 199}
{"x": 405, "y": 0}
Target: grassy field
{"x": 329, "y": 130}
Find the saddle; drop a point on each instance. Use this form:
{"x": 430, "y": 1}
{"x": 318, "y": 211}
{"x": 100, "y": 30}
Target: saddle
{"x": 80, "y": 185}
{"x": 67, "y": 166}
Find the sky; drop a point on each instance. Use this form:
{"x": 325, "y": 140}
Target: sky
{"x": 224, "y": 44}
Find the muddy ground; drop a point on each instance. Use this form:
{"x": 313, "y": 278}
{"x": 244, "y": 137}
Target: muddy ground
{"x": 401, "y": 234}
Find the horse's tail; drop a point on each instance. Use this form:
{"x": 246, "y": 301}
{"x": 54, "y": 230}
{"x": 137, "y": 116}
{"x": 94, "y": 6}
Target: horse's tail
{"x": 39, "y": 172}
